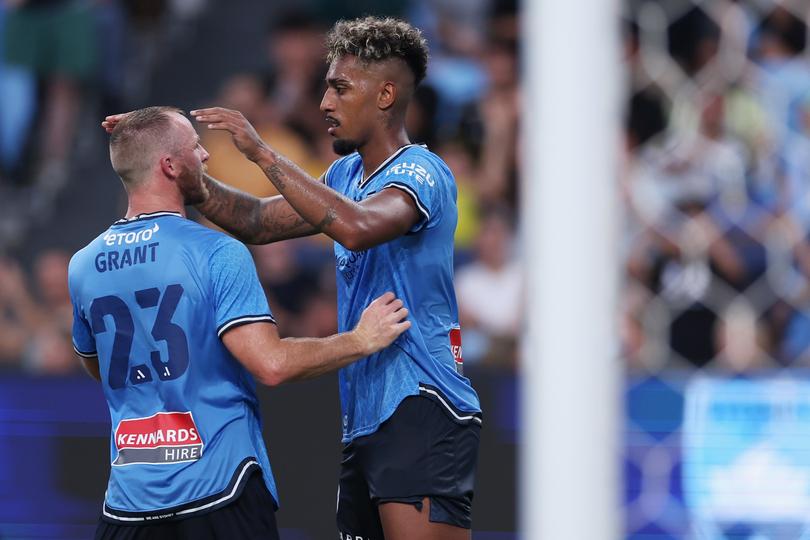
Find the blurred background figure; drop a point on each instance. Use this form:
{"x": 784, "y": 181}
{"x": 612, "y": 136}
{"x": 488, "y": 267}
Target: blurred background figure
{"x": 37, "y": 315}
{"x": 490, "y": 293}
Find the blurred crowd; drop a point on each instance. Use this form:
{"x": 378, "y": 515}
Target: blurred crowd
{"x": 66, "y": 63}
{"x": 716, "y": 184}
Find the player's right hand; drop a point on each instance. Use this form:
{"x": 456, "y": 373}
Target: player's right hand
{"x": 381, "y": 323}
{"x": 242, "y": 132}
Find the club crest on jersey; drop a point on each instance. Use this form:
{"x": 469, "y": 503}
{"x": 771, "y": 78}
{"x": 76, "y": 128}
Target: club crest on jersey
{"x": 412, "y": 169}
{"x": 163, "y": 438}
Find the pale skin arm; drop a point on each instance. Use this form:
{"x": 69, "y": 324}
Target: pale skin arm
{"x": 273, "y": 360}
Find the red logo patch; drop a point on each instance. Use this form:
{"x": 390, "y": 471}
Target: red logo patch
{"x": 455, "y": 347}
{"x": 165, "y": 437}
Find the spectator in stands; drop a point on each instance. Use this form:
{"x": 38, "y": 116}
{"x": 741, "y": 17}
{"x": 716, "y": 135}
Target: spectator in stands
{"x": 246, "y": 93}
{"x": 38, "y": 322}
{"x": 18, "y": 313}
{"x": 296, "y": 78}
{"x": 490, "y": 293}
{"x": 56, "y": 40}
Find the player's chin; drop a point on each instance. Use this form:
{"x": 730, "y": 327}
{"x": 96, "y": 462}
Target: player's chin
{"x": 344, "y": 147}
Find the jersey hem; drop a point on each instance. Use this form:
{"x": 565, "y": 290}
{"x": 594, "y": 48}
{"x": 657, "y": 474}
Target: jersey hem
{"x": 427, "y": 391}
{"x": 192, "y": 508}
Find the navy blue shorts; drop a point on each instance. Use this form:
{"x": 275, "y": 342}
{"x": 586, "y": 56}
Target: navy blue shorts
{"x": 251, "y": 516}
{"x": 424, "y": 450}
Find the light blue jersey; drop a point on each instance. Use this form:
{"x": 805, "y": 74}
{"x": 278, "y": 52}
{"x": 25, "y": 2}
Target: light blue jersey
{"x": 152, "y": 296}
{"x": 418, "y": 268}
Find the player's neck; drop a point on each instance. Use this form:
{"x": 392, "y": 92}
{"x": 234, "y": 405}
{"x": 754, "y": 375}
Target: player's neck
{"x": 147, "y": 202}
{"x": 380, "y": 148}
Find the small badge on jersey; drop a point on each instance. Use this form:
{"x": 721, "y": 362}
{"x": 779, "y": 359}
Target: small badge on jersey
{"x": 455, "y": 346}
{"x": 163, "y": 438}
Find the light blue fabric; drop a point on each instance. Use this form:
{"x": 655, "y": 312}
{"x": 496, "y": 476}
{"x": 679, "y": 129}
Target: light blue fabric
{"x": 418, "y": 268}
{"x": 150, "y": 297}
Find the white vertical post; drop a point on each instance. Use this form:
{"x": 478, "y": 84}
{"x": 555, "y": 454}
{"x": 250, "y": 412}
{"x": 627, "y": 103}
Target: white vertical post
{"x": 570, "y": 411}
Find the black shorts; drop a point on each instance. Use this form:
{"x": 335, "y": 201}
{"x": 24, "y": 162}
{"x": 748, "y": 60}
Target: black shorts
{"x": 425, "y": 449}
{"x": 251, "y": 516}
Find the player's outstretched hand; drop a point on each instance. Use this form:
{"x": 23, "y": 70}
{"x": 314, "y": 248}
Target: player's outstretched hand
{"x": 381, "y": 323}
{"x": 111, "y": 121}
{"x": 244, "y": 135}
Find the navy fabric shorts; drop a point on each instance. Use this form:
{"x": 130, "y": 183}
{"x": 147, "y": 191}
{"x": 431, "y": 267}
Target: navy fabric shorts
{"x": 251, "y": 516}
{"x": 426, "y": 449}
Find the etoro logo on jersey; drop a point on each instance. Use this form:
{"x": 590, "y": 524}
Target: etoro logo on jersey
{"x": 163, "y": 438}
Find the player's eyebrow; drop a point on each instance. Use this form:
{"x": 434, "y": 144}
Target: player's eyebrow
{"x": 333, "y": 81}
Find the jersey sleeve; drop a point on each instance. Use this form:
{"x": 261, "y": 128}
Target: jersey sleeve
{"x": 84, "y": 344}
{"x": 237, "y": 294}
{"x": 328, "y": 177}
{"x": 422, "y": 182}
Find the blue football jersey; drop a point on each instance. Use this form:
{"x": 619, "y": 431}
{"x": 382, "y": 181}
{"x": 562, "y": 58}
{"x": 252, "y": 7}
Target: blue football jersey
{"x": 418, "y": 268}
{"x": 152, "y": 297}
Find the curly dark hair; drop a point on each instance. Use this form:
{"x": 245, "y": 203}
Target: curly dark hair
{"x": 372, "y": 39}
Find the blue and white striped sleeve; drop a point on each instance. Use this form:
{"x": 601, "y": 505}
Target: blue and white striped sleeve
{"x": 237, "y": 293}
{"x": 422, "y": 182}
{"x": 84, "y": 343}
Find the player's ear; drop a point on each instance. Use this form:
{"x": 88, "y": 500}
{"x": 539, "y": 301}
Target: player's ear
{"x": 387, "y": 95}
{"x": 168, "y": 166}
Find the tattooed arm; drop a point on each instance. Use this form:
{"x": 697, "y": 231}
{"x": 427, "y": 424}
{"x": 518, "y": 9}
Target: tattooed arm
{"x": 357, "y": 226}
{"x": 251, "y": 219}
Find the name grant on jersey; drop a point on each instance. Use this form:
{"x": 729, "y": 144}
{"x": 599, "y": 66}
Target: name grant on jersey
{"x": 166, "y": 437}
{"x": 117, "y": 260}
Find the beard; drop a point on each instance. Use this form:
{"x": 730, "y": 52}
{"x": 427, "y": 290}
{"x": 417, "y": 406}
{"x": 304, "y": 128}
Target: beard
{"x": 195, "y": 197}
{"x": 344, "y": 147}
{"x": 193, "y": 188}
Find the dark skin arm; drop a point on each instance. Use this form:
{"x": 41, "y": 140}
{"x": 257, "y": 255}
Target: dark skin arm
{"x": 251, "y": 219}
{"x": 91, "y": 366}
{"x": 356, "y": 225}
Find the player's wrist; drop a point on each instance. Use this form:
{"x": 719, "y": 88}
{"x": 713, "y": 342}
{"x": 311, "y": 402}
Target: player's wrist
{"x": 263, "y": 156}
{"x": 360, "y": 344}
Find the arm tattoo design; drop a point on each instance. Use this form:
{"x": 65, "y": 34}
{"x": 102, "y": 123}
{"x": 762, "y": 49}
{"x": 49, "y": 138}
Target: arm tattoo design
{"x": 277, "y": 176}
{"x": 252, "y": 220}
{"x": 234, "y": 211}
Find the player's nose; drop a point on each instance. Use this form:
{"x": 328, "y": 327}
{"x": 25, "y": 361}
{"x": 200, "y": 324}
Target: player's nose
{"x": 326, "y": 103}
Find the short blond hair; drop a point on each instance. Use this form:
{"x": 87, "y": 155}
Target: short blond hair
{"x": 137, "y": 137}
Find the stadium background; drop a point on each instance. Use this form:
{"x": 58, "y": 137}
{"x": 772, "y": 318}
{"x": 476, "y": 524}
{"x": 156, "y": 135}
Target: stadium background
{"x": 714, "y": 310}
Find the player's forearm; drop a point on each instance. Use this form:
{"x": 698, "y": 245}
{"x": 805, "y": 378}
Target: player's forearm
{"x": 249, "y": 218}
{"x": 235, "y": 211}
{"x": 327, "y": 211}
{"x": 91, "y": 367}
{"x": 304, "y": 358}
